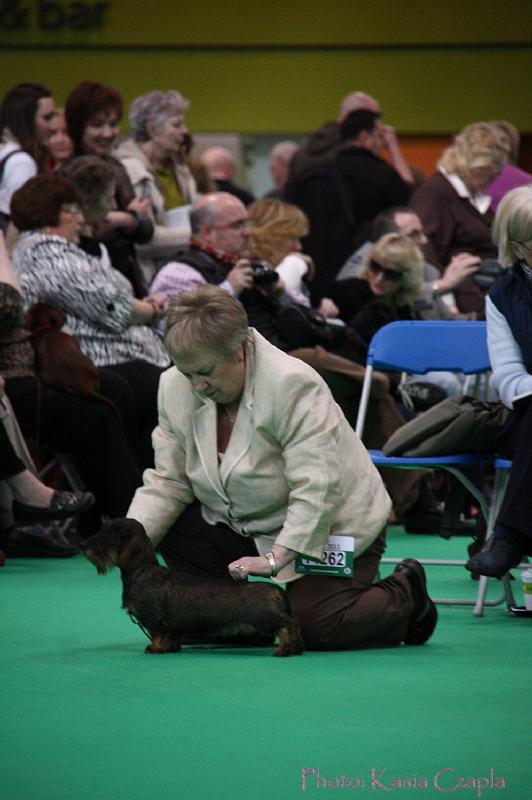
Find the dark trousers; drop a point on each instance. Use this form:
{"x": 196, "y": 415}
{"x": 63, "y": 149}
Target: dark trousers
{"x": 334, "y": 613}
{"x": 143, "y": 380}
{"x": 89, "y": 431}
{"x": 10, "y": 463}
{"x": 515, "y": 442}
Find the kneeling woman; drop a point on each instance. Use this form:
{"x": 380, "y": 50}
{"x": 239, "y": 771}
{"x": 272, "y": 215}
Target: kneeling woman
{"x": 255, "y": 464}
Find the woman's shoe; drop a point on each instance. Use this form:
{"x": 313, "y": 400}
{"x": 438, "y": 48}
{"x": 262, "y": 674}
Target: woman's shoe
{"x": 495, "y": 558}
{"x": 38, "y": 541}
{"x": 63, "y": 505}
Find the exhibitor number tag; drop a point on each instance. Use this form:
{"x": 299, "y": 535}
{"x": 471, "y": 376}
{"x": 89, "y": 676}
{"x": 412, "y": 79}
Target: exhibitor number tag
{"x": 337, "y": 559}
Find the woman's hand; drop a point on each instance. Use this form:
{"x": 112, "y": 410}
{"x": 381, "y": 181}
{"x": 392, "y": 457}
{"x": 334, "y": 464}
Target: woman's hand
{"x": 249, "y": 565}
{"x": 259, "y": 565}
{"x": 145, "y": 312}
{"x": 140, "y": 205}
{"x": 328, "y": 308}
{"x": 159, "y": 301}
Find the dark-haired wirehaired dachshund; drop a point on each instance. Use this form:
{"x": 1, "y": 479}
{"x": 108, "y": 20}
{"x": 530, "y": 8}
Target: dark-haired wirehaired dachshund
{"x": 171, "y": 607}
{"x": 59, "y": 361}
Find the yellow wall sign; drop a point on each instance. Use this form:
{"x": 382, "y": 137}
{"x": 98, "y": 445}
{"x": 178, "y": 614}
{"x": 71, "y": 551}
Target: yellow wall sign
{"x": 52, "y": 15}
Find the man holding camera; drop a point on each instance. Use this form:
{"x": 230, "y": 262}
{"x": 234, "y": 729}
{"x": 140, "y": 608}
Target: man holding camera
{"x": 218, "y": 249}
{"x": 218, "y": 254}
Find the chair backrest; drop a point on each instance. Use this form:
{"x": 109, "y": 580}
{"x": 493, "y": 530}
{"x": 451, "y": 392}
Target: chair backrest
{"x": 420, "y": 346}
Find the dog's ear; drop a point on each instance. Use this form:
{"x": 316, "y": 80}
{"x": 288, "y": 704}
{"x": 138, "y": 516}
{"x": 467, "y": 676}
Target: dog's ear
{"x": 44, "y": 315}
{"x": 134, "y": 551}
{"x": 96, "y": 559}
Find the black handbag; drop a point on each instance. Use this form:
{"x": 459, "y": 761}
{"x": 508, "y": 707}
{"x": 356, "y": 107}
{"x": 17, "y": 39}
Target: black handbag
{"x": 300, "y": 326}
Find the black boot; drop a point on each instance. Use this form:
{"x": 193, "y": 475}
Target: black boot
{"x": 495, "y": 558}
{"x": 424, "y": 615}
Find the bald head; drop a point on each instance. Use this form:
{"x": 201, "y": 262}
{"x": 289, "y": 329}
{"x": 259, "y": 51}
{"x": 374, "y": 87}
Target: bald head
{"x": 280, "y": 157}
{"x": 358, "y": 101}
{"x": 220, "y": 219}
{"x": 219, "y": 162}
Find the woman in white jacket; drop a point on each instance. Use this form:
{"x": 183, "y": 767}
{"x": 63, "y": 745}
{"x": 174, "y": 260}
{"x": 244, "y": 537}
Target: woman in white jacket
{"x": 156, "y": 171}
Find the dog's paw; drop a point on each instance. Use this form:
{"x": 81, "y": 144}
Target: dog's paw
{"x": 152, "y": 649}
{"x": 158, "y": 646}
{"x": 289, "y": 649}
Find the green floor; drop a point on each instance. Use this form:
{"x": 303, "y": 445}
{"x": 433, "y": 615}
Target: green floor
{"x": 86, "y": 715}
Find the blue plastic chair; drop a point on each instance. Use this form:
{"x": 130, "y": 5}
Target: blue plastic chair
{"x": 419, "y": 347}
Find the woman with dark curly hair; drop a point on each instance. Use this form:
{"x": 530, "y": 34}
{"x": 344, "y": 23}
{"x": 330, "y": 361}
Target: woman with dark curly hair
{"x": 93, "y": 112}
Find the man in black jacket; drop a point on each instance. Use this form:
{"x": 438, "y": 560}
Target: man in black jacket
{"x": 342, "y": 195}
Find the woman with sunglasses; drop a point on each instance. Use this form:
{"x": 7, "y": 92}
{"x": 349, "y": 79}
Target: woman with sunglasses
{"x": 392, "y": 279}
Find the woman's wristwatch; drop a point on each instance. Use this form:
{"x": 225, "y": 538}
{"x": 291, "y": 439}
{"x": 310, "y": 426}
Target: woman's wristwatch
{"x": 273, "y": 563}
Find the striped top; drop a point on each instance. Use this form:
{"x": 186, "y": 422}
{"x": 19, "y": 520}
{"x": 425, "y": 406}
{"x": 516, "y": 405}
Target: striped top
{"x": 95, "y": 298}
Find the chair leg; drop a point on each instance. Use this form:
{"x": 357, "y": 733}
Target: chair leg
{"x": 478, "y": 611}
{"x": 75, "y": 484}
{"x": 499, "y": 489}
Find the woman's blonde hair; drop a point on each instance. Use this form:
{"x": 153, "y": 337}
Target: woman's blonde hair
{"x": 513, "y": 222}
{"x": 401, "y": 253}
{"x": 272, "y": 223}
{"x": 480, "y": 144}
{"x": 208, "y": 318}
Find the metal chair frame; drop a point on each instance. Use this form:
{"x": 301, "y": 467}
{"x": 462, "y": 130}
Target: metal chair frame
{"x": 62, "y": 462}
{"x": 442, "y": 345}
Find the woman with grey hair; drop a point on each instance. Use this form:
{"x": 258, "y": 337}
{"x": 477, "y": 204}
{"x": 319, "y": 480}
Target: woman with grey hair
{"x": 510, "y": 347}
{"x": 157, "y": 171}
{"x": 455, "y": 210}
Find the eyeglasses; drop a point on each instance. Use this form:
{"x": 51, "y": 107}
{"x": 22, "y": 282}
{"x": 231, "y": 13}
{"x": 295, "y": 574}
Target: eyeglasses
{"x": 389, "y": 274}
{"x": 238, "y": 224}
{"x": 75, "y": 210}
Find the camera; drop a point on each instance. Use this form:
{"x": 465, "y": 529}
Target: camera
{"x": 263, "y": 274}
{"x": 488, "y": 271}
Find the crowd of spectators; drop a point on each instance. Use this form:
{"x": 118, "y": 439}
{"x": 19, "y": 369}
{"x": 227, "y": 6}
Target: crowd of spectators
{"x": 110, "y": 228}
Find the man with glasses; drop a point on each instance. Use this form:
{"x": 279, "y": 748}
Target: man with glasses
{"x": 436, "y": 300}
{"x": 217, "y": 253}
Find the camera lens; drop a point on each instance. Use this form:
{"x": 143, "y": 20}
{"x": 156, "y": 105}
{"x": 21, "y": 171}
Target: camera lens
{"x": 263, "y": 274}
